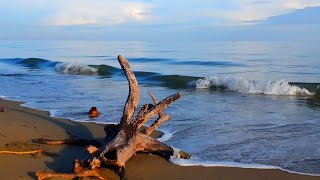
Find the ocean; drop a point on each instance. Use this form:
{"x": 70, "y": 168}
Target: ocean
{"x": 249, "y": 104}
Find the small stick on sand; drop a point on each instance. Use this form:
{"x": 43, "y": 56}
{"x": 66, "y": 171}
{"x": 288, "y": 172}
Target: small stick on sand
{"x": 75, "y": 142}
{"x": 85, "y": 173}
{"x": 22, "y": 152}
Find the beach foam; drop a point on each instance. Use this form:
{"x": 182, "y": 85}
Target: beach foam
{"x": 194, "y": 161}
{"x": 70, "y": 68}
{"x": 166, "y": 135}
{"x": 280, "y": 87}
{"x": 53, "y": 112}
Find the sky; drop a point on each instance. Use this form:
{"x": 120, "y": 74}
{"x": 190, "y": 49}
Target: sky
{"x": 155, "y": 20}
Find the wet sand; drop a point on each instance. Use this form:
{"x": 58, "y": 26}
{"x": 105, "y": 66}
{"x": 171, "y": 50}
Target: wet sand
{"x": 19, "y": 125}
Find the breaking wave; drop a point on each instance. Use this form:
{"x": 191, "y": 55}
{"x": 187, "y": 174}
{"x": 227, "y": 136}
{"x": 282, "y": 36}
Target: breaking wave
{"x": 69, "y": 68}
{"x": 280, "y": 87}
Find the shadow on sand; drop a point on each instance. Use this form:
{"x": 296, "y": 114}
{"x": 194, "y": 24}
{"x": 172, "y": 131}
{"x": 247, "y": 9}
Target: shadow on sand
{"x": 63, "y": 160}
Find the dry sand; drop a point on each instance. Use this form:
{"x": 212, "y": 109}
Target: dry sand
{"x": 19, "y": 125}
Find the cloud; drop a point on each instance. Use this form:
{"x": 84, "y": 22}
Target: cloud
{"x": 100, "y": 13}
{"x": 150, "y": 18}
{"x": 301, "y": 4}
{"x": 254, "y": 10}
{"x": 193, "y": 12}
{"x": 306, "y": 16}
{"x": 223, "y": 12}
{"x": 262, "y": 2}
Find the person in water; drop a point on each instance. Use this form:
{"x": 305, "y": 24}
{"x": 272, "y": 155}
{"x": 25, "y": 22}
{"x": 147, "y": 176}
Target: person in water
{"x": 93, "y": 113}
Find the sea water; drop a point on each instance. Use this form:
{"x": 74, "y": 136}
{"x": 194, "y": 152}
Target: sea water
{"x": 244, "y": 103}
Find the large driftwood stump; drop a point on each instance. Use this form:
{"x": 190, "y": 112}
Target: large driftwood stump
{"x": 123, "y": 140}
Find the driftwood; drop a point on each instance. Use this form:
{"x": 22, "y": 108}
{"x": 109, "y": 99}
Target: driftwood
{"x": 22, "y": 152}
{"x": 85, "y": 173}
{"x": 73, "y": 141}
{"x": 123, "y": 140}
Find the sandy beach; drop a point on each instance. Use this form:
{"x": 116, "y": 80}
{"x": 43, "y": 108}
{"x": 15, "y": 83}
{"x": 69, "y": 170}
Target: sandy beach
{"x": 19, "y": 125}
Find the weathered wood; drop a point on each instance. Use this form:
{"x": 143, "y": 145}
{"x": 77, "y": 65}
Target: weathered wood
{"x": 92, "y": 149}
{"x": 125, "y": 142}
{"x": 143, "y": 110}
{"x": 148, "y": 144}
{"x": 153, "y": 98}
{"x": 134, "y": 93}
{"x": 75, "y": 142}
{"x": 161, "y": 118}
{"x": 95, "y": 163}
{"x": 156, "y": 124}
{"x": 155, "y": 102}
{"x": 125, "y": 139}
{"x": 111, "y": 131}
{"x": 159, "y": 107}
{"x": 22, "y": 152}
{"x": 84, "y": 173}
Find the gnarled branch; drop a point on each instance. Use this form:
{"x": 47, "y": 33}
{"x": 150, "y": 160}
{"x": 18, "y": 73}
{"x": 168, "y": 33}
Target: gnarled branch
{"x": 159, "y": 107}
{"x": 156, "y": 124}
{"x": 155, "y": 102}
{"x": 134, "y": 93}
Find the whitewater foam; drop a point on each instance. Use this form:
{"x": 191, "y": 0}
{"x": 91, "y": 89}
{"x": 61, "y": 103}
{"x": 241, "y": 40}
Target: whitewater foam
{"x": 80, "y": 69}
{"x": 53, "y": 112}
{"x": 280, "y": 87}
{"x": 194, "y": 161}
{"x": 166, "y": 135}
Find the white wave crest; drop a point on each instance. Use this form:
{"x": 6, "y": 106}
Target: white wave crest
{"x": 69, "y": 68}
{"x": 280, "y": 87}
